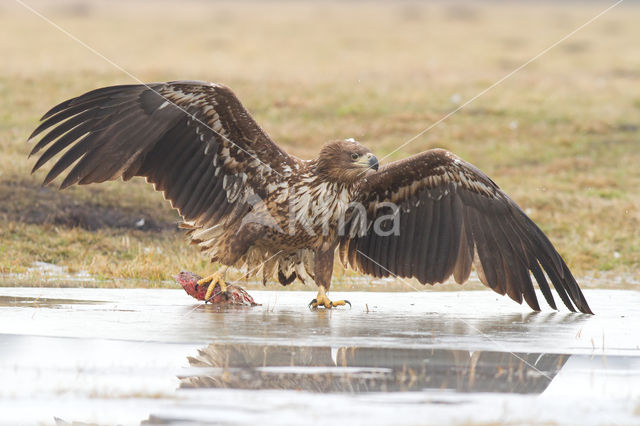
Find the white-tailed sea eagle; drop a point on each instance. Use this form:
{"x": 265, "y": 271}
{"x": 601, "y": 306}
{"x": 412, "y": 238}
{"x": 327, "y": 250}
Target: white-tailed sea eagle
{"x": 248, "y": 204}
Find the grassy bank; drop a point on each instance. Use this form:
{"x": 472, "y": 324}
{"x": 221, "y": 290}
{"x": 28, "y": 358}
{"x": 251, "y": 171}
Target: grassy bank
{"x": 561, "y": 136}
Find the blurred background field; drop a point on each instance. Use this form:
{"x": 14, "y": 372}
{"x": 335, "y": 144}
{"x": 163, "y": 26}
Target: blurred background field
{"x": 561, "y": 136}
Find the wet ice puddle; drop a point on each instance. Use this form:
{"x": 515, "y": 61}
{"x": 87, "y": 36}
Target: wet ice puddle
{"x": 131, "y": 356}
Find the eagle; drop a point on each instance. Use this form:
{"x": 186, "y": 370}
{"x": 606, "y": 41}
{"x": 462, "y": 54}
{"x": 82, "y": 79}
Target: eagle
{"x": 248, "y": 204}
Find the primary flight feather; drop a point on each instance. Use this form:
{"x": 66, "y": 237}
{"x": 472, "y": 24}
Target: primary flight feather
{"x": 248, "y": 204}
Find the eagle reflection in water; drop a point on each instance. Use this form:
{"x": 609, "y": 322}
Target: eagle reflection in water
{"x": 369, "y": 369}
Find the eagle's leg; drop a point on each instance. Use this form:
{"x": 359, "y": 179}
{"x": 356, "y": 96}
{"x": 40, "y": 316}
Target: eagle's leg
{"x": 323, "y": 270}
{"x": 217, "y": 277}
{"x": 238, "y": 245}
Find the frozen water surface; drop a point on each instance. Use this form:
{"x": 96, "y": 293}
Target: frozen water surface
{"x": 131, "y": 356}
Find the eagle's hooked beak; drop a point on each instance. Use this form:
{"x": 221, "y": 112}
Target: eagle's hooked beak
{"x": 369, "y": 161}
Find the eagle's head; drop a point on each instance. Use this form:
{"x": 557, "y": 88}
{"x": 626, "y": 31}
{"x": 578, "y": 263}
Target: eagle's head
{"x": 345, "y": 161}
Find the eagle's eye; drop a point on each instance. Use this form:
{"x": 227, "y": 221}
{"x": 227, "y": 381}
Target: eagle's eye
{"x": 354, "y": 156}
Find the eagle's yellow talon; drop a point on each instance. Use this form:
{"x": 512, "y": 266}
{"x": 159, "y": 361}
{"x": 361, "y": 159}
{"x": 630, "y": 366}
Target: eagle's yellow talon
{"x": 213, "y": 279}
{"x": 341, "y": 303}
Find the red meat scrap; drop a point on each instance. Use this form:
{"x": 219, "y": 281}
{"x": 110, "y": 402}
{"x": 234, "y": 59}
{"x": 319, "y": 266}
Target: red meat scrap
{"x": 235, "y": 294}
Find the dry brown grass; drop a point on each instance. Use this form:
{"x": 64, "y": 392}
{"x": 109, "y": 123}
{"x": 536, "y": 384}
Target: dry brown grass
{"x": 561, "y": 136}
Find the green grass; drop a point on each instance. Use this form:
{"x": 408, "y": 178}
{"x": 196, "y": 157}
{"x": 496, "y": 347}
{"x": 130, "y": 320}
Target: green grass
{"x": 561, "y": 136}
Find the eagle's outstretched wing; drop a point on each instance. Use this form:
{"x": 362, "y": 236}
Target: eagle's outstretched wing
{"x": 193, "y": 140}
{"x": 450, "y": 216}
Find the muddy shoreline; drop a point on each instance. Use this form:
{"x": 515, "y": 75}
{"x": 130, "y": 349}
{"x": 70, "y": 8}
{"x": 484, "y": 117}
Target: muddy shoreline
{"x": 34, "y": 204}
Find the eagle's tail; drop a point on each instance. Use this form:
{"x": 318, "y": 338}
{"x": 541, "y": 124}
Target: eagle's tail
{"x": 286, "y": 280}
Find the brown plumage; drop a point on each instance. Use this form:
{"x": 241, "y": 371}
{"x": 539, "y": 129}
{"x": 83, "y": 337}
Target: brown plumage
{"x": 247, "y": 203}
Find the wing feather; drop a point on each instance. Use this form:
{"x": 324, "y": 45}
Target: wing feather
{"x": 192, "y": 180}
{"x": 70, "y": 156}
{"x": 488, "y": 254}
{"x": 443, "y": 241}
{"x": 205, "y": 178}
{"x": 185, "y": 180}
{"x": 429, "y": 216}
{"x": 64, "y": 127}
{"x": 448, "y": 239}
{"x": 464, "y": 259}
{"x": 370, "y": 247}
{"x": 202, "y": 199}
{"x": 216, "y": 205}
{"x": 408, "y": 240}
{"x": 380, "y": 248}
{"x": 453, "y": 216}
{"x": 433, "y": 224}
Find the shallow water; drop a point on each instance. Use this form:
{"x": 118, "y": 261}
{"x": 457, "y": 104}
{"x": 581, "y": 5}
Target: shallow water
{"x": 126, "y": 356}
